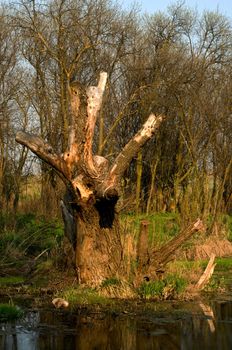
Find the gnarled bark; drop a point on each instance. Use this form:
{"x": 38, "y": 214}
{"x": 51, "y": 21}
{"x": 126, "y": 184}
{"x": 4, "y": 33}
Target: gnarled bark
{"x": 93, "y": 185}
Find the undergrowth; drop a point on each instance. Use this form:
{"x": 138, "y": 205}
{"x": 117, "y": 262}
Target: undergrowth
{"x": 83, "y": 296}
{"x": 9, "y": 312}
{"x": 168, "y": 288}
{"x": 26, "y": 236}
{"x": 227, "y": 221}
{"x": 11, "y": 280}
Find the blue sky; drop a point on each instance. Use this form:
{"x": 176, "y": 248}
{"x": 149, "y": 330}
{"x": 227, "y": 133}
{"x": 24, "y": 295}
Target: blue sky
{"x": 151, "y": 6}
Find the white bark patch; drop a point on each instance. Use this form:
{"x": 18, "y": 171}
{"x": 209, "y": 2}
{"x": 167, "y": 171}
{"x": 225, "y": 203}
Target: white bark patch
{"x": 71, "y": 135}
{"x": 207, "y": 273}
{"x": 102, "y": 81}
{"x": 94, "y": 96}
{"x": 198, "y": 225}
{"x": 148, "y": 128}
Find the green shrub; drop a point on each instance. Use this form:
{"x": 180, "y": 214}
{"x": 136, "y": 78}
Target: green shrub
{"x": 3, "y": 221}
{"x": 24, "y": 220}
{"x": 9, "y": 312}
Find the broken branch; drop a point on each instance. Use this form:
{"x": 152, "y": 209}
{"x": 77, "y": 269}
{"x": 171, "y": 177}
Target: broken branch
{"x": 207, "y": 273}
{"x": 165, "y": 253}
{"x": 131, "y": 149}
{"x": 44, "y": 151}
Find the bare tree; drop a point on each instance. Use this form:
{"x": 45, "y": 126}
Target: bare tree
{"x": 12, "y": 159}
{"x": 93, "y": 186}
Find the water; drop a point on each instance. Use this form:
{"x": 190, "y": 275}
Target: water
{"x": 199, "y": 327}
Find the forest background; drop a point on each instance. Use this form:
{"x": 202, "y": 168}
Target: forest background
{"x": 176, "y": 63}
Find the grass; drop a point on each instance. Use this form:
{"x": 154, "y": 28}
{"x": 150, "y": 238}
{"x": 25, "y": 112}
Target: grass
{"x": 163, "y": 226}
{"x": 227, "y": 221}
{"x": 168, "y": 288}
{"x": 24, "y": 236}
{"x": 219, "y": 282}
{"x": 9, "y": 312}
{"x": 115, "y": 288}
{"x": 183, "y": 268}
{"x": 110, "y": 282}
{"x": 221, "y": 279}
{"x": 194, "y": 269}
{"x": 83, "y": 296}
{"x": 11, "y": 280}
{"x": 223, "y": 264}
{"x": 29, "y": 233}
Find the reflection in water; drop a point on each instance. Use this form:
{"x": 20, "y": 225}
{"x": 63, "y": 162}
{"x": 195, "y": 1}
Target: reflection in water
{"x": 20, "y": 336}
{"x": 208, "y": 312}
{"x": 208, "y": 328}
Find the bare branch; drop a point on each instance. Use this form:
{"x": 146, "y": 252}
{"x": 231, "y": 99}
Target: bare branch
{"x": 131, "y": 149}
{"x": 44, "y": 151}
{"x": 122, "y": 113}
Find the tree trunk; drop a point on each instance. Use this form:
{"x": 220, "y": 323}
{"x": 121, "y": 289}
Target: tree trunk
{"x": 93, "y": 185}
{"x": 93, "y": 230}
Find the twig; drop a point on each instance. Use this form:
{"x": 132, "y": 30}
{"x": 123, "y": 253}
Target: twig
{"x": 42, "y": 253}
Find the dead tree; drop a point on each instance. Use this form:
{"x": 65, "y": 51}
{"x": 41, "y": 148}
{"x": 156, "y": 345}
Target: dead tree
{"x": 93, "y": 185}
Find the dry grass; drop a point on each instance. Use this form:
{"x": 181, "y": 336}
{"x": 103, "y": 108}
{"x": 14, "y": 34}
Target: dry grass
{"x": 117, "y": 289}
{"x": 220, "y": 247}
{"x": 191, "y": 269}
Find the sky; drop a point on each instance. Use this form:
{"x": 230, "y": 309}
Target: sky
{"x": 151, "y": 6}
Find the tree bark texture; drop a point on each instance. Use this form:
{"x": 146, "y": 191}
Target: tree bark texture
{"x": 93, "y": 185}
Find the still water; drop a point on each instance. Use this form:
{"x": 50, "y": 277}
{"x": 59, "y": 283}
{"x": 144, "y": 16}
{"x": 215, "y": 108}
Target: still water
{"x": 199, "y": 327}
